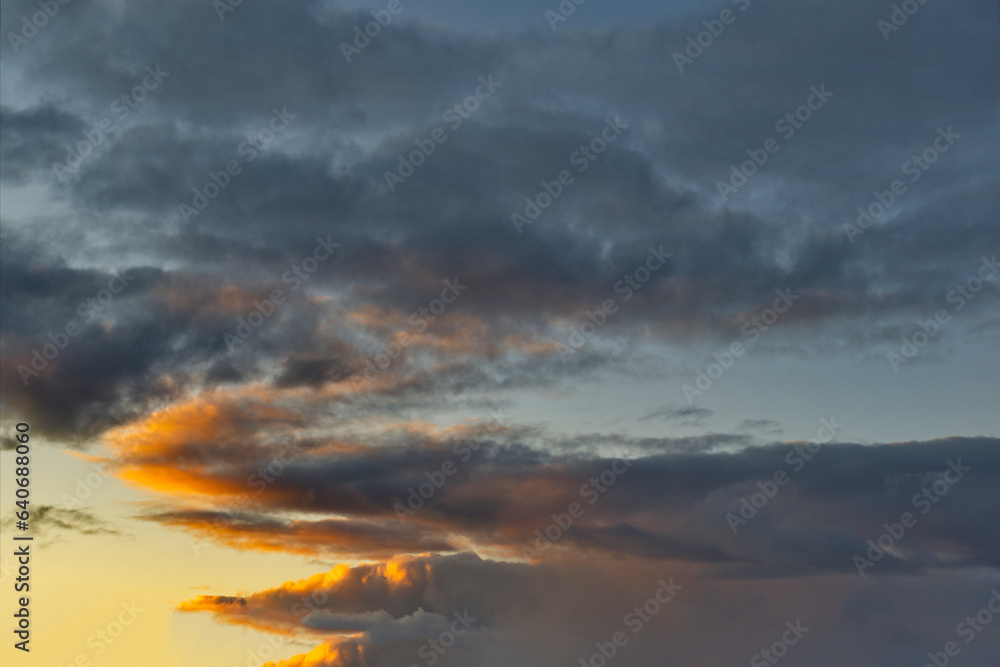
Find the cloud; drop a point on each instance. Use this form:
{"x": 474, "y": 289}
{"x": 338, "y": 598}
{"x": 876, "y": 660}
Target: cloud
{"x": 47, "y": 519}
{"x": 355, "y": 419}
{"x": 326, "y": 176}
{"x": 371, "y": 538}
{"x": 412, "y": 488}
{"x": 341, "y": 654}
{"x": 692, "y": 415}
{"x": 560, "y": 609}
{"x": 766, "y": 426}
{"x": 380, "y": 627}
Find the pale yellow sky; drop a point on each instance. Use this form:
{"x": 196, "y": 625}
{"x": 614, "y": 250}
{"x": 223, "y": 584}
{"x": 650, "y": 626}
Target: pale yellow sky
{"x": 79, "y": 583}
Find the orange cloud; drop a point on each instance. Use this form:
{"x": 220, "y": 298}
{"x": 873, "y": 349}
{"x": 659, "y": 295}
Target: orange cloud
{"x": 175, "y": 450}
{"x": 342, "y": 654}
{"x": 399, "y": 585}
{"x": 198, "y": 420}
{"x": 370, "y": 538}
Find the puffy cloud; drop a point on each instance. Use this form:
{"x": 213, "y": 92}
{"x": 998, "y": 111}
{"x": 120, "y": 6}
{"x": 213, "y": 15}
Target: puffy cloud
{"x": 342, "y": 654}
{"x": 534, "y": 615}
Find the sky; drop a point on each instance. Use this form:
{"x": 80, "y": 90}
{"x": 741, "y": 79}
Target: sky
{"x": 411, "y": 333}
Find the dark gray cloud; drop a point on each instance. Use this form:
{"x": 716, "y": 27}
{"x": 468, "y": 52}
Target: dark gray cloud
{"x": 689, "y": 414}
{"x": 46, "y": 520}
{"x": 767, "y": 426}
{"x": 654, "y": 187}
{"x": 542, "y": 606}
{"x": 727, "y": 261}
{"x": 350, "y": 364}
{"x": 774, "y": 511}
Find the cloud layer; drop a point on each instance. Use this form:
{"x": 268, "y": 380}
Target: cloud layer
{"x": 288, "y": 297}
